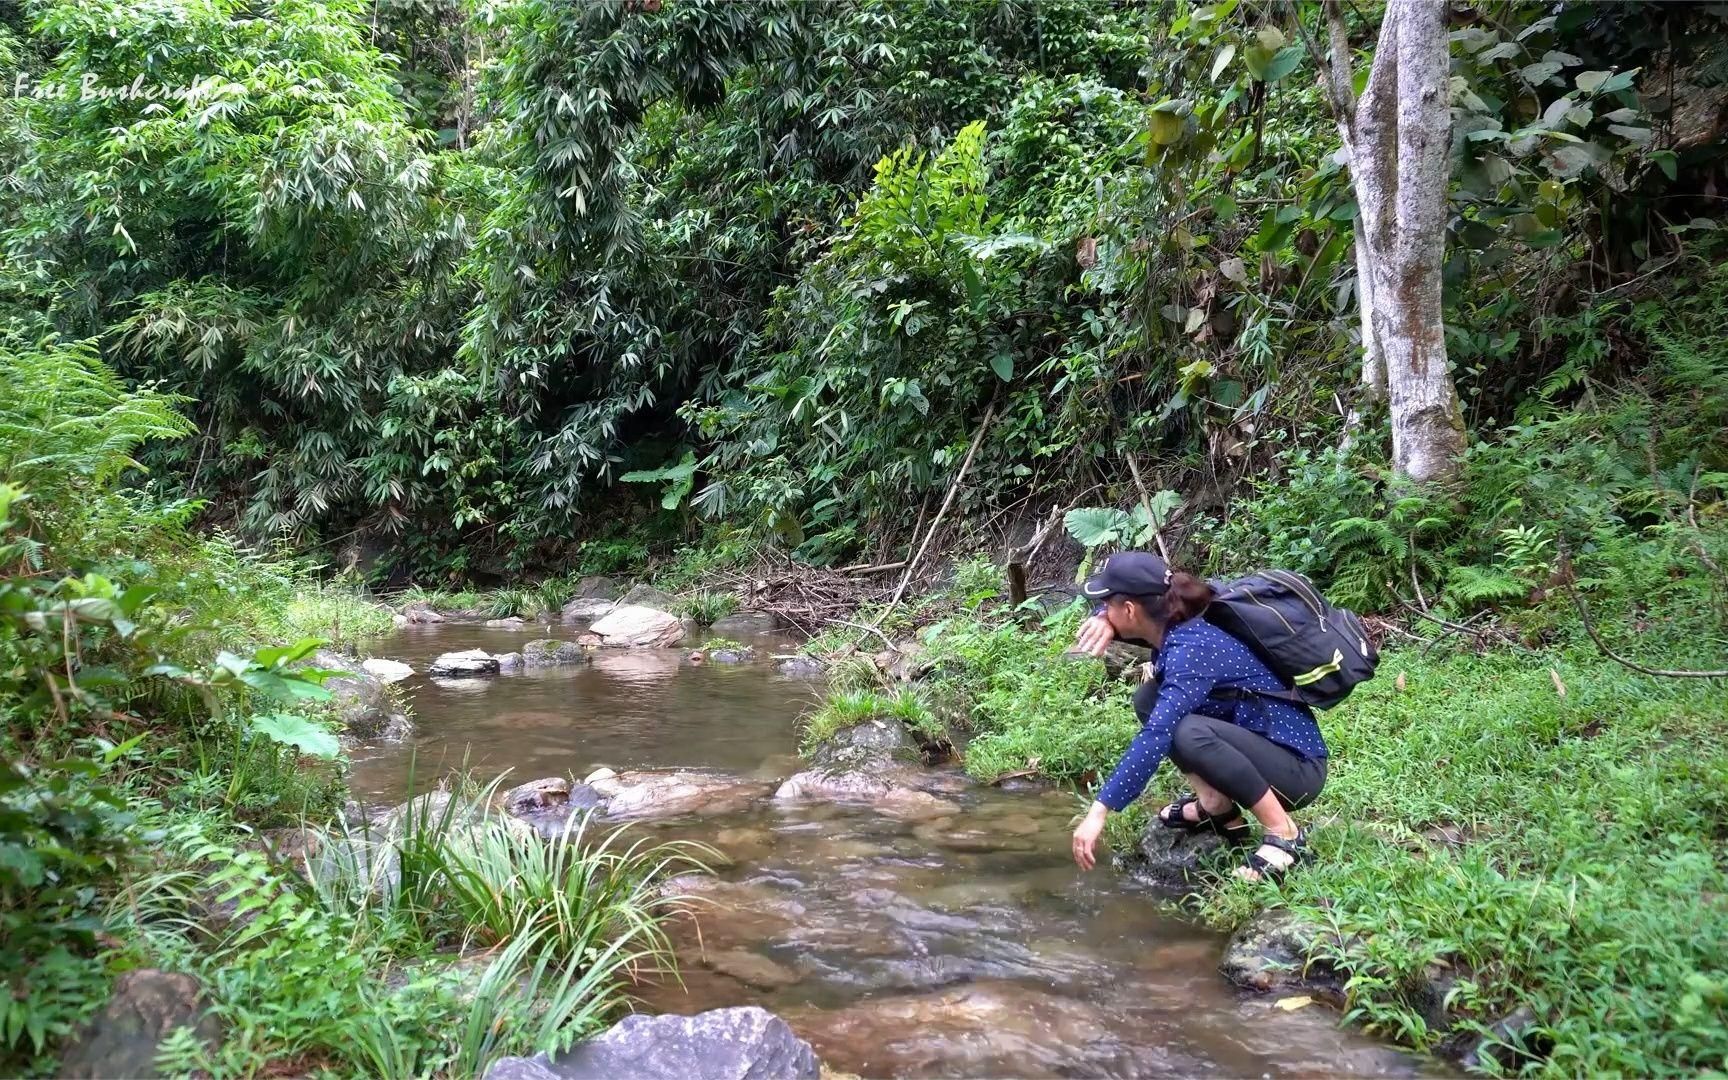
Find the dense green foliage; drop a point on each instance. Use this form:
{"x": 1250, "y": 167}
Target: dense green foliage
{"x": 449, "y": 290}
{"x": 431, "y": 276}
{"x": 141, "y": 755}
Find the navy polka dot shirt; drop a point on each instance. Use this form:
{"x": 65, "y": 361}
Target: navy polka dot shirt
{"x": 1198, "y": 658}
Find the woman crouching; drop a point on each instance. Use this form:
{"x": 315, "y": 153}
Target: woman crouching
{"x": 1205, "y": 712}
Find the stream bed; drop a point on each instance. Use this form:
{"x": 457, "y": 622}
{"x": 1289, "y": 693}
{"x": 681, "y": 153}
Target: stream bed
{"x": 962, "y": 945}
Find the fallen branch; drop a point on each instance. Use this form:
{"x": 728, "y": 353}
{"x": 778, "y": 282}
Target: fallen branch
{"x": 1146, "y": 501}
{"x": 941, "y": 512}
{"x": 863, "y": 626}
{"x": 1590, "y": 629}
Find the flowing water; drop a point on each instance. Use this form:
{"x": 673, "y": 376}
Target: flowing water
{"x": 968, "y": 945}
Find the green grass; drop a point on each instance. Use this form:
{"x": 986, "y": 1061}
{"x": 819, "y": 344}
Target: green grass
{"x": 843, "y": 708}
{"x": 340, "y": 615}
{"x": 354, "y": 971}
{"x": 706, "y": 607}
{"x": 1591, "y": 887}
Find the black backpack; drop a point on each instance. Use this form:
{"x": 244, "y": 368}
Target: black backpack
{"x": 1320, "y": 651}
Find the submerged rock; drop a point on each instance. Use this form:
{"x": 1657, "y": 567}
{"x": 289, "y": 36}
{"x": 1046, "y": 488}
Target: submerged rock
{"x": 386, "y": 671}
{"x": 746, "y": 624}
{"x": 891, "y": 793}
{"x": 751, "y": 968}
{"x": 639, "y": 627}
{"x": 511, "y": 622}
{"x": 803, "y": 667}
{"x": 468, "y": 664}
{"x": 509, "y": 662}
{"x": 547, "y": 652}
{"x": 147, "y": 1006}
{"x": 644, "y": 793}
{"x": 732, "y": 656}
{"x": 746, "y": 1043}
{"x": 359, "y": 699}
{"x": 1016, "y": 1030}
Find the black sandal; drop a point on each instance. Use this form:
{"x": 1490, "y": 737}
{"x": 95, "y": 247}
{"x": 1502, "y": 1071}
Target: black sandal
{"x": 1174, "y": 816}
{"x": 1297, "y": 849}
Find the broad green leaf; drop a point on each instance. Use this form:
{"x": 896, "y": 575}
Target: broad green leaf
{"x": 1590, "y": 81}
{"x": 300, "y": 732}
{"x": 1283, "y": 63}
{"x": 1668, "y": 162}
{"x": 1003, "y": 365}
{"x": 1222, "y": 60}
{"x": 1095, "y": 526}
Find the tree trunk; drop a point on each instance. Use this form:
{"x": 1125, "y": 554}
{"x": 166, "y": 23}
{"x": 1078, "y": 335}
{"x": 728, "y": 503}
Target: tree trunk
{"x": 1397, "y": 138}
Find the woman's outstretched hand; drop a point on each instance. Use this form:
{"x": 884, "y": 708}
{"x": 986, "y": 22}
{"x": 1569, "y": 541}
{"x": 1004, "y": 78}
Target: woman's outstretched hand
{"x": 1095, "y": 636}
{"x": 1086, "y": 836}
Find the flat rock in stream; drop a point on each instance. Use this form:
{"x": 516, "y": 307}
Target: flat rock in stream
{"x": 633, "y": 626}
{"x": 890, "y": 793}
{"x": 1016, "y": 1030}
{"x": 468, "y": 664}
{"x": 652, "y": 793}
{"x": 747, "y": 1043}
{"x": 803, "y": 667}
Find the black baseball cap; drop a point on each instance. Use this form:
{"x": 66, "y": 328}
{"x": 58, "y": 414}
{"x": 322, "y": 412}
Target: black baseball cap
{"x": 1129, "y": 573}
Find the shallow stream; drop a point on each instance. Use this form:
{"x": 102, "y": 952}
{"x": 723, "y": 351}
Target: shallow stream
{"x": 967, "y": 945}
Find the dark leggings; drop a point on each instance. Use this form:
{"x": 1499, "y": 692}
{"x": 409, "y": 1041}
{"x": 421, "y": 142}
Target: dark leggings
{"x": 1244, "y": 765}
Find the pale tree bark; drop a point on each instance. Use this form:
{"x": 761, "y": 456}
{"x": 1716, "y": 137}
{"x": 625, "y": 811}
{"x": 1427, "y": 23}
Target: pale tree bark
{"x": 1396, "y": 139}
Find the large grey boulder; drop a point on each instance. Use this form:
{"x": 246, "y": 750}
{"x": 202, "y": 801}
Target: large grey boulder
{"x": 869, "y": 762}
{"x": 596, "y": 587}
{"x": 648, "y": 596}
{"x": 147, "y": 1006}
{"x": 421, "y": 612}
{"x": 586, "y": 609}
{"x": 639, "y": 627}
{"x": 747, "y": 1043}
{"x": 547, "y": 652}
{"x": 741, "y": 624}
{"x": 359, "y": 699}
{"x": 468, "y": 664}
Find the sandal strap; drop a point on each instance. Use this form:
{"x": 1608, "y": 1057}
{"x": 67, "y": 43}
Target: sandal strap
{"x": 1296, "y": 848}
{"x": 1174, "y": 816}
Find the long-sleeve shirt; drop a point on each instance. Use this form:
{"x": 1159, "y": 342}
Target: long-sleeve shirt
{"x": 1197, "y": 659}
